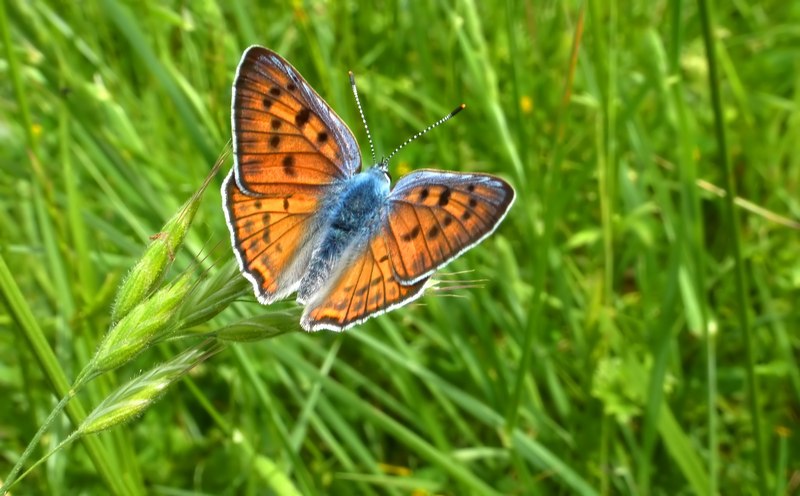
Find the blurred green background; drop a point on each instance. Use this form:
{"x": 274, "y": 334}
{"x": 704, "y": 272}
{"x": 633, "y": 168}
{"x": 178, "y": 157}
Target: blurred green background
{"x": 614, "y": 344}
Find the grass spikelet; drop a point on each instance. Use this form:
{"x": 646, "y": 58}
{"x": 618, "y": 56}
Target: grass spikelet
{"x": 133, "y": 398}
{"x": 148, "y": 322}
{"x": 158, "y": 256}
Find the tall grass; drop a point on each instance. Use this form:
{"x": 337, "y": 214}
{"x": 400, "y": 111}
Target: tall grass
{"x": 635, "y": 332}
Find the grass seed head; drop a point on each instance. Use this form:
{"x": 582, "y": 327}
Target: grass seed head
{"x": 148, "y": 271}
{"x": 134, "y": 397}
{"x": 149, "y": 321}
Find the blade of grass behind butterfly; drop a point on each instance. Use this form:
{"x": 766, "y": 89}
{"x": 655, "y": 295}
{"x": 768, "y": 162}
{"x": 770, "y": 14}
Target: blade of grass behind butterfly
{"x": 692, "y": 236}
{"x": 483, "y": 376}
{"x": 122, "y": 445}
{"x": 323, "y": 418}
{"x": 84, "y": 288}
{"x": 266, "y": 469}
{"x": 475, "y": 52}
{"x": 17, "y": 81}
{"x": 86, "y": 280}
{"x": 533, "y": 451}
{"x": 408, "y": 393}
{"x": 121, "y": 16}
{"x": 734, "y": 229}
{"x": 51, "y": 228}
{"x": 117, "y": 138}
{"x": 245, "y": 23}
{"x": 479, "y": 62}
{"x": 554, "y": 195}
{"x": 427, "y": 408}
{"x": 332, "y": 424}
{"x": 429, "y": 405}
{"x": 599, "y": 65}
{"x": 265, "y": 404}
{"x": 402, "y": 434}
{"x": 685, "y": 268}
{"x": 32, "y": 333}
{"x": 467, "y": 328}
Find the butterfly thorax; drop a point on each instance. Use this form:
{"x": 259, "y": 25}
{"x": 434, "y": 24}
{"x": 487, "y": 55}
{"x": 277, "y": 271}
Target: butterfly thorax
{"x": 349, "y": 219}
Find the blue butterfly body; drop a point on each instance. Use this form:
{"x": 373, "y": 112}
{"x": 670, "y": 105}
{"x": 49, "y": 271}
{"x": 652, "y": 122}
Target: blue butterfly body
{"x": 351, "y": 216}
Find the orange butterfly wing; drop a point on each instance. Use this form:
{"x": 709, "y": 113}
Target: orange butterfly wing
{"x": 290, "y": 151}
{"x": 364, "y": 287}
{"x": 435, "y": 216}
{"x": 286, "y": 139}
{"x": 270, "y": 238}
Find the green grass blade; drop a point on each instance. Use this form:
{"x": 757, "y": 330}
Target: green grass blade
{"x": 733, "y": 225}
{"x": 32, "y": 333}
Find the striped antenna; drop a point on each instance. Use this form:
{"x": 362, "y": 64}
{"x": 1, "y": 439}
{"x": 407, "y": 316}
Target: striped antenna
{"x": 363, "y": 119}
{"x": 440, "y": 121}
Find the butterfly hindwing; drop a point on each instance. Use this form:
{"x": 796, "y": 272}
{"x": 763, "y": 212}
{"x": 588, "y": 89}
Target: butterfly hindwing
{"x": 286, "y": 139}
{"x": 364, "y": 286}
{"x": 270, "y": 237}
{"x": 435, "y": 216}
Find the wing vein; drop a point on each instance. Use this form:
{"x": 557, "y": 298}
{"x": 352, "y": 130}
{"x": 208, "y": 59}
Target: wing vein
{"x": 424, "y": 238}
{"x": 397, "y": 244}
{"x": 352, "y": 294}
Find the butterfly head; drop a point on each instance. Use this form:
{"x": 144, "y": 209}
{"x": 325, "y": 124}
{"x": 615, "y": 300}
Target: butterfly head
{"x": 382, "y": 168}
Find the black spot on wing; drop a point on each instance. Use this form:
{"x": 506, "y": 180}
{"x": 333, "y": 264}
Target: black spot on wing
{"x": 288, "y": 166}
{"x": 302, "y": 117}
{"x": 444, "y": 197}
{"x": 412, "y": 234}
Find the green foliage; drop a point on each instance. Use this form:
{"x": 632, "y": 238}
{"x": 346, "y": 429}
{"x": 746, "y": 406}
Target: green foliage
{"x": 605, "y": 349}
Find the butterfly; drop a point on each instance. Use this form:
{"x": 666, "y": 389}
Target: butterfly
{"x": 304, "y": 218}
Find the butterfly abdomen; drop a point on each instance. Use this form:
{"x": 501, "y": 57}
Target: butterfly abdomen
{"x": 350, "y": 220}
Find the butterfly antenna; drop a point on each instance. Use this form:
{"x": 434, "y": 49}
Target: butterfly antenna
{"x": 437, "y": 123}
{"x": 360, "y": 111}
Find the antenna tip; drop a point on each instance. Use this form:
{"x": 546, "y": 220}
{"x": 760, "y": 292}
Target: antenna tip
{"x": 457, "y": 110}
{"x": 352, "y": 77}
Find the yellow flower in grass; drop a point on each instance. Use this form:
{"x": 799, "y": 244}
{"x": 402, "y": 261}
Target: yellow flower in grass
{"x": 526, "y": 104}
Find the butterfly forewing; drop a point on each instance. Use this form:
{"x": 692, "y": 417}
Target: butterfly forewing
{"x": 364, "y": 286}
{"x": 434, "y": 216}
{"x": 285, "y": 137}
